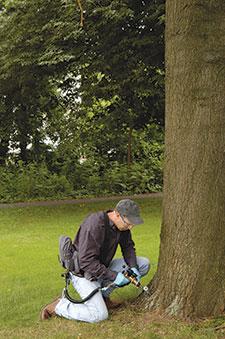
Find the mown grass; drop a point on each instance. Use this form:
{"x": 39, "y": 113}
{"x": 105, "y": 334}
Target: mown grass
{"x": 30, "y": 276}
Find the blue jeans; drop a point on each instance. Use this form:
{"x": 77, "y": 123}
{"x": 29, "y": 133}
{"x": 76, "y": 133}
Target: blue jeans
{"x": 94, "y": 310}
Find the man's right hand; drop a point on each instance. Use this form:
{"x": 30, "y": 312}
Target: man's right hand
{"x": 121, "y": 280}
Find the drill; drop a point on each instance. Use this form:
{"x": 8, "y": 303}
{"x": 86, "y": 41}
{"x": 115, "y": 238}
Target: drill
{"x": 130, "y": 275}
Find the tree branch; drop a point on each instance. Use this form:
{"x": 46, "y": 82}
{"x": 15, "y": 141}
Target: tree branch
{"x": 81, "y": 13}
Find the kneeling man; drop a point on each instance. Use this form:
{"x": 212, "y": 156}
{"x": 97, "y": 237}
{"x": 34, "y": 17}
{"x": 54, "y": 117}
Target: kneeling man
{"x": 96, "y": 248}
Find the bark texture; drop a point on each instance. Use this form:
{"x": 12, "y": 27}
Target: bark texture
{"x": 190, "y": 280}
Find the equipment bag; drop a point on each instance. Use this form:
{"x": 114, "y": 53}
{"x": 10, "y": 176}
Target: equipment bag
{"x": 67, "y": 253}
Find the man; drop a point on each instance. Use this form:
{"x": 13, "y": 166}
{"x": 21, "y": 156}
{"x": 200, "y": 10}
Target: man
{"x": 97, "y": 268}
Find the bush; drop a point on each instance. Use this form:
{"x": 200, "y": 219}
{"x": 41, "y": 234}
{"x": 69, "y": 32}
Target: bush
{"x": 30, "y": 182}
{"x": 134, "y": 179}
{"x": 91, "y": 178}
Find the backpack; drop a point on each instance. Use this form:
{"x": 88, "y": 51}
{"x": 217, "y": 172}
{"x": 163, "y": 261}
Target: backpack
{"x": 67, "y": 253}
{"x": 68, "y": 256}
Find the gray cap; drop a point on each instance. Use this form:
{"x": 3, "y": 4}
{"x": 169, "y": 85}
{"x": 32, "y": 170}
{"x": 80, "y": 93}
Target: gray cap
{"x": 127, "y": 208}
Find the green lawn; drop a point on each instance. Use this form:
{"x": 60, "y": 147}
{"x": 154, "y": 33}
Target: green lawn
{"x": 30, "y": 276}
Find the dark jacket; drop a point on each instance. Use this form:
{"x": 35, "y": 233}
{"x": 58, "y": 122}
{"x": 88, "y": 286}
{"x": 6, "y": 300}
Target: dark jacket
{"x": 95, "y": 251}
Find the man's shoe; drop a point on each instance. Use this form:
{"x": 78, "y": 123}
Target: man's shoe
{"x": 111, "y": 304}
{"x": 48, "y": 311}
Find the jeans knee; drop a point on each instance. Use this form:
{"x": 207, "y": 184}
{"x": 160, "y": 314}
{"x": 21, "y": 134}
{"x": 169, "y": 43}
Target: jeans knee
{"x": 143, "y": 265}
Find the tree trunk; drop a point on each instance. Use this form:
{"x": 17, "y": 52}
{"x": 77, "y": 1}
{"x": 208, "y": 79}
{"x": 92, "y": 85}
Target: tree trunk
{"x": 23, "y": 128}
{"x": 4, "y": 148}
{"x": 190, "y": 280}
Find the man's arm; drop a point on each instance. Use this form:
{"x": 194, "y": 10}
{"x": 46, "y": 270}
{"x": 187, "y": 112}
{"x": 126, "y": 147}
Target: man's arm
{"x": 128, "y": 249}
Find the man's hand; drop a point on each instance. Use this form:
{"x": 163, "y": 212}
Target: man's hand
{"x": 121, "y": 280}
{"x": 138, "y": 275}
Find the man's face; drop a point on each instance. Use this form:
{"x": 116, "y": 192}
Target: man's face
{"x": 122, "y": 223}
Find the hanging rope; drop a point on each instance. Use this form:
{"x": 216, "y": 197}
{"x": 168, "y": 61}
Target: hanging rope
{"x": 81, "y": 13}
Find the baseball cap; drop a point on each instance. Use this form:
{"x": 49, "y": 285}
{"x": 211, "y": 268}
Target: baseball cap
{"x": 129, "y": 209}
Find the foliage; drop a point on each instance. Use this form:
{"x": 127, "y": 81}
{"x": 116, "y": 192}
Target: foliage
{"x": 120, "y": 83}
{"x": 35, "y": 182}
{"x": 137, "y": 178}
{"x": 64, "y": 174}
{"x": 69, "y": 93}
{"x": 114, "y": 66}
{"x": 31, "y": 182}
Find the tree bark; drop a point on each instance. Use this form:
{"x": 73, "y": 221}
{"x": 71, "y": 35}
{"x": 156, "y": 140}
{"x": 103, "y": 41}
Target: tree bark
{"x": 190, "y": 279}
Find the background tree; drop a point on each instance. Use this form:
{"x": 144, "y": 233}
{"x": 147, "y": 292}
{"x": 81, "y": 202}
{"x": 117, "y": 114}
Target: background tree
{"x": 117, "y": 35}
{"x": 190, "y": 280}
{"x": 25, "y": 89}
{"x": 107, "y": 57}
{"x": 78, "y": 99}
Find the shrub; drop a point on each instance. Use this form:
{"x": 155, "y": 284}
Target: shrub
{"x": 32, "y": 182}
{"x": 136, "y": 178}
{"x": 91, "y": 178}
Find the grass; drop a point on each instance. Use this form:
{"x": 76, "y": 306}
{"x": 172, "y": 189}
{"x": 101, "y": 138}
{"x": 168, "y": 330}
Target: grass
{"x": 30, "y": 276}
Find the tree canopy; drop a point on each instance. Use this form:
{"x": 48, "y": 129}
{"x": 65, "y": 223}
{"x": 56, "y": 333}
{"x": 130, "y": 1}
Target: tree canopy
{"x": 69, "y": 92}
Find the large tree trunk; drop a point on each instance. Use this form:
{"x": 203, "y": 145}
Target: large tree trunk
{"x": 190, "y": 280}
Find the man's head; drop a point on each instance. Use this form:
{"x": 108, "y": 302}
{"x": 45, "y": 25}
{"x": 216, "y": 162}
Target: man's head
{"x": 127, "y": 214}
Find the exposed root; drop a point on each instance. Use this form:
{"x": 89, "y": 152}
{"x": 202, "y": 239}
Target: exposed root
{"x": 220, "y": 328}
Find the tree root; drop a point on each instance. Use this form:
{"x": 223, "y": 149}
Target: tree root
{"x": 220, "y": 327}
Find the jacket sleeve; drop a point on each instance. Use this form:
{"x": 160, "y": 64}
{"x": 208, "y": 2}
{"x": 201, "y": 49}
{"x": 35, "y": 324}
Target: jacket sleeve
{"x": 128, "y": 249}
{"x": 91, "y": 237}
